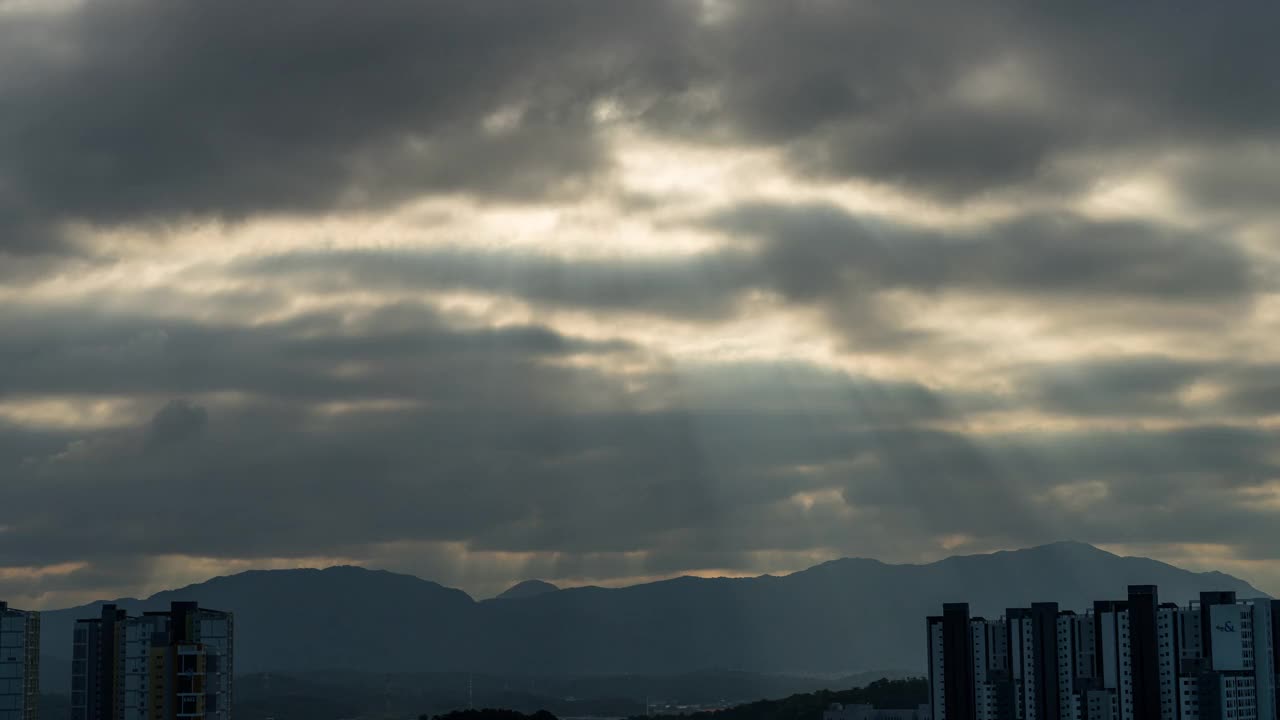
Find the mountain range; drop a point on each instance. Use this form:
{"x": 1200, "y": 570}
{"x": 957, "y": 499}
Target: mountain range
{"x": 842, "y": 616}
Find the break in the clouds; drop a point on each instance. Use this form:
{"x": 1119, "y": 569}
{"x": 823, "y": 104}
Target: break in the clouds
{"x": 599, "y": 292}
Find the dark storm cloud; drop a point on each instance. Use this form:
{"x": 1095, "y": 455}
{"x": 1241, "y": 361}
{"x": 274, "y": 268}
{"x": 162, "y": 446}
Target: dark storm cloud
{"x": 822, "y": 255}
{"x": 1134, "y": 274}
{"x": 1147, "y": 385}
{"x": 529, "y": 473}
{"x": 107, "y": 577}
{"x": 681, "y": 484}
{"x": 127, "y": 110}
{"x": 813, "y": 250}
{"x": 948, "y": 151}
{"x": 1127, "y": 486}
{"x": 703, "y": 287}
{"x": 177, "y": 421}
{"x": 1200, "y": 69}
{"x": 135, "y": 110}
{"x": 398, "y": 352}
{"x": 499, "y": 445}
{"x": 864, "y": 89}
{"x": 342, "y": 430}
{"x": 504, "y": 453}
{"x": 793, "y": 386}
{"x": 1239, "y": 181}
{"x": 956, "y": 101}
{"x": 1253, "y": 390}
{"x": 18, "y": 442}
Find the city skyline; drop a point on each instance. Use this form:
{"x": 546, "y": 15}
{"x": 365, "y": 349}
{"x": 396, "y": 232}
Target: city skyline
{"x": 1217, "y": 658}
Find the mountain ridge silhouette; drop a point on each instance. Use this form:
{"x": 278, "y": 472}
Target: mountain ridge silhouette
{"x": 841, "y": 616}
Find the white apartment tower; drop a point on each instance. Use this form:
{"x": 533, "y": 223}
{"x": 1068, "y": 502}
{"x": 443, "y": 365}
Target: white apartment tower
{"x": 171, "y": 665}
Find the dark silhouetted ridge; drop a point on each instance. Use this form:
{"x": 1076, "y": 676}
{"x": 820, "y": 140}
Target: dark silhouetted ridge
{"x": 843, "y": 616}
{"x": 527, "y": 589}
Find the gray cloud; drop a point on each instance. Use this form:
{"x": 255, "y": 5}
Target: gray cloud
{"x": 497, "y": 447}
{"x": 133, "y": 110}
{"x": 177, "y": 421}
{"x": 1148, "y": 386}
{"x": 1237, "y": 180}
{"x": 350, "y": 431}
{"x": 1132, "y": 274}
{"x": 961, "y": 101}
{"x": 517, "y": 481}
{"x": 399, "y": 352}
{"x": 821, "y": 255}
{"x": 504, "y": 453}
{"x": 942, "y": 150}
{"x": 1125, "y": 486}
{"x": 684, "y": 486}
{"x": 106, "y": 577}
{"x": 130, "y": 110}
{"x": 701, "y": 288}
{"x": 1124, "y": 386}
{"x": 813, "y": 249}
{"x": 1252, "y": 389}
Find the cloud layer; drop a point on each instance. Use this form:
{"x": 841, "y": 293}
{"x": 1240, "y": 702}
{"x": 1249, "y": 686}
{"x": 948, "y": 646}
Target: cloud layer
{"x": 601, "y": 292}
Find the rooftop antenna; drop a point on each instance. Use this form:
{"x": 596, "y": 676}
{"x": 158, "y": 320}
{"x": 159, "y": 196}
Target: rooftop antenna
{"x": 471, "y": 694}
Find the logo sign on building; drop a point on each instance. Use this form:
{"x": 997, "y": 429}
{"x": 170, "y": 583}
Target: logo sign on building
{"x": 1228, "y": 647}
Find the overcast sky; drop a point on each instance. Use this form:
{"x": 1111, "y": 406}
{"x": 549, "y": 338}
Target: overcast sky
{"x": 601, "y": 292}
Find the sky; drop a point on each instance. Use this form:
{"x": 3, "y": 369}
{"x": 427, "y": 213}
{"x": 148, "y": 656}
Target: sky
{"x": 605, "y": 292}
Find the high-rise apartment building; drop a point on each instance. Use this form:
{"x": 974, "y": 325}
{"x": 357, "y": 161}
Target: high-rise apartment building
{"x": 951, "y": 683}
{"x": 1132, "y": 659}
{"x": 171, "y": 665}
{"x": 19, "y": 663}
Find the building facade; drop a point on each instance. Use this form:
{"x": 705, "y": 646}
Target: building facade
{"x": 171, "y": 665}
{"x": 1131, "y": 659}
{"x": 19, "y": 663}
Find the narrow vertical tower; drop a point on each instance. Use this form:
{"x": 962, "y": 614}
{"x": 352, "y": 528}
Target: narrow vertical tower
{"x": 1044, "y": 667}
{"x": 96, "y": 667}
{"x": 951, "y": 664}
{"x": 19, "y": 663}
{"x": 1275, "y": 653}
{"x": 1144, "y": 651}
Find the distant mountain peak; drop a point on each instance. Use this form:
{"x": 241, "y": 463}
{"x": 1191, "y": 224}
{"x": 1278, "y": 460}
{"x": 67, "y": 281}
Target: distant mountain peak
{"x": 1059, "y": 545}
{"x": 1058, "y": 549}
{"x": 527, "y": 589}
{"x": 1068, "y": 546}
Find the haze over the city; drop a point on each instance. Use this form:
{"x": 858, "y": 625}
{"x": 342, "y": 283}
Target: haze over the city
{"x": 602, "y": 292}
